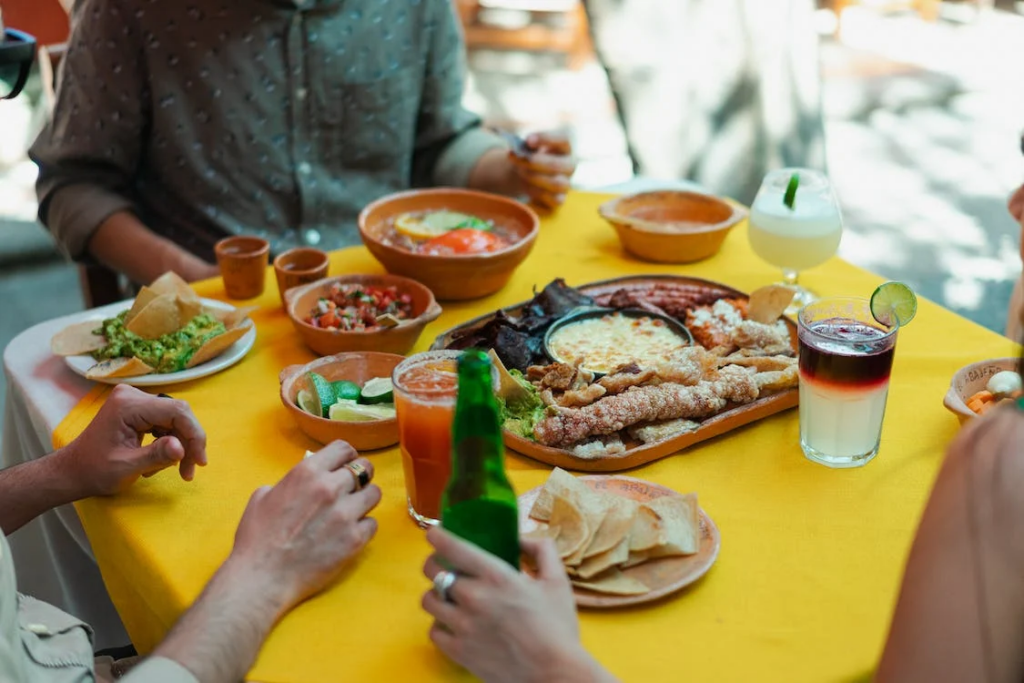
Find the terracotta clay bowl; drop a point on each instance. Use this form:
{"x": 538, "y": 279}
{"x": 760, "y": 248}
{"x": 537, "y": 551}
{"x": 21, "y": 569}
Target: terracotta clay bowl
{"x": 301, "y": 300}
{"x": 971, "y": 379}
{"x": 451, "y": 278}
{"x": 671, "y": 226}
{"x": 355, "y": 367}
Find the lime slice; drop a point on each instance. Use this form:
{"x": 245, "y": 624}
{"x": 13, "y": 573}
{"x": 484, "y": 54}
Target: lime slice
{"x": 308, "y": 403}
{"x": 378, "y": 390}
{"x": 345, "y": 389}
{"x": 322, "y": 391}
{"x": 350, "y": 411}
{"x": 425, "y": 226}
{"x": 894, "y": 304}
{"x": 790, "y": 198}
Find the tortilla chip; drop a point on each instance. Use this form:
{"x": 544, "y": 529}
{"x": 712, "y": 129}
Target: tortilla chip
{"x": 594, "y": 565}
{"x": 647, "y": 530}
{"x": 142, "y": 300}
{"x": 569, "y": 526}
{"x": 159, "y": 317}
{"x": 77, "y": 339}
{"x": 118, "y": 367}
{"x": 593, "y": 506}
{"x": 681, "y": 524}
{"x": 172, "y": 283}
{"x": 615, "y": 526}
{"x": 235, "y": 316}
{"x": 188, "y": 308}
{"x": 613, "y": 582}
{"x": 561, "y": 483}
{"x": 769, "y": 303}
{"x": 216, "y": 346}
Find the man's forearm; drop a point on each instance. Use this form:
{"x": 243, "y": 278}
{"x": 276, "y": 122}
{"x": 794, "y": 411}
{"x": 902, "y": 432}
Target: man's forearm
{"x": 493, "y": 172}
{"x": 122, "y": 237}
{"x": 32, "y": 488}
{"x": 218, "y": 638}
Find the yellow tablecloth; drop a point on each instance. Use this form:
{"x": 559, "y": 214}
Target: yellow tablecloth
{"x": 811, "y": 557}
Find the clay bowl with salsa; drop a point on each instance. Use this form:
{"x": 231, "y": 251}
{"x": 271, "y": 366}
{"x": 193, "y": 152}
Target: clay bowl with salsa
{"x": 361, "y": 313}
{"x": 358, "y": 367}
{"x": 460, "y": 243}
{"x": 672, "y": 226}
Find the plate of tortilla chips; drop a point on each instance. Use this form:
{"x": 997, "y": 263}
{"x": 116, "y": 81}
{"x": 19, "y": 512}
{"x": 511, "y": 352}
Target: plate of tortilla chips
{"x": 167, "y": 335}
{"x": 623, "y": 541}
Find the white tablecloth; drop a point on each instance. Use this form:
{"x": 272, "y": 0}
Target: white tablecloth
{"x": 52, "y": 556}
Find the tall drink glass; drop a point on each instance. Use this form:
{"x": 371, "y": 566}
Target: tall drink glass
{"x": 845, "y": 361}
{"x": 795, "y": 239}
{"x": 425, "y": 389}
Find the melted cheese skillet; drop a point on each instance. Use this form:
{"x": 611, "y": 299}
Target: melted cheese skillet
{"x": 612, "y": 340}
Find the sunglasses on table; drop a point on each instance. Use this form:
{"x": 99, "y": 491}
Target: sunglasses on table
{"x": 17, "y": 52}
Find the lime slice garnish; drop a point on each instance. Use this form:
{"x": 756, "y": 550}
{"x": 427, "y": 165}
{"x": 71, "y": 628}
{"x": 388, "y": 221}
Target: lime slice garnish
{"x": 345, "y": 389}
{"x": 790, "y": 198}
{"x": 378, "y": 390}
{"x": 894, "y": 304}
{"x": 322, "y": 392}
{"x": 308, "y": 403}
{"x": 432, "y": 224}
{"x": 350, "y": 411}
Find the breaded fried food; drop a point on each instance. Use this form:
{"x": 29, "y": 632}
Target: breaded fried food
{"x": 610, "y": 444}
{"x": 626, "y": 377}
{"x": 759, "y": 363}
{"x": 575, "y": 398}
{"x": 689, "y": 366}
{"x": 779, "y": 379}
{"x": 714, "y": 325}
{"x": 737, "y": 384}
{"x": 751, "y": 335}
{"x": 659, "y": 431}
{"x": 637, "y": 404}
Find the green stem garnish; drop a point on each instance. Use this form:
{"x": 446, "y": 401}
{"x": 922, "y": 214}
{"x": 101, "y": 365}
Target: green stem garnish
{"x": 794, "y": 182}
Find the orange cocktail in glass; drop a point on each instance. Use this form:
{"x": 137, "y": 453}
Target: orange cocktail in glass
{"x": 425, "y": 388}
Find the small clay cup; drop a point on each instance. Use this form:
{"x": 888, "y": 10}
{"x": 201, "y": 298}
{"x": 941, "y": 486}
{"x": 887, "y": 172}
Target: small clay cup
{"x": 299, "y": 266}
{"x": 243, "y": 265}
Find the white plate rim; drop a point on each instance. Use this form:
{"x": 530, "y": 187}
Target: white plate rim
{"x": 82, "y": 363}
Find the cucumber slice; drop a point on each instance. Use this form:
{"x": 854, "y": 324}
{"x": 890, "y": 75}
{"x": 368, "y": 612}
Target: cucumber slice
{"x": 378, "y": 390}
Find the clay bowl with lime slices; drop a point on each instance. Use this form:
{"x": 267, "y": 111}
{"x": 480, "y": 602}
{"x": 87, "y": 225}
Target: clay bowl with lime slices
{"x": 387, "y": 333}
{"x": 461, "y": 244}
{"x": 363, "y": 421}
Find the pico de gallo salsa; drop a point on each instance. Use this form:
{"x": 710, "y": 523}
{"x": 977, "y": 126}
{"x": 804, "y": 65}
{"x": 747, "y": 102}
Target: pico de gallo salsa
{"x": 355, "y": 308}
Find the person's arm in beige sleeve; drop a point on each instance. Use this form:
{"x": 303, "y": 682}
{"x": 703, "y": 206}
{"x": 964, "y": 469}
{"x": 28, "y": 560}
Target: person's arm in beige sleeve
{"x": 89, "y": 151}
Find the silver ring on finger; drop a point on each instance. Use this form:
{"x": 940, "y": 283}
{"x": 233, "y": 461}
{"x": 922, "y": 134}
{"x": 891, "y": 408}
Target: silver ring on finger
{"x": 359, "y": 473}
{"x": 443, "y": 583}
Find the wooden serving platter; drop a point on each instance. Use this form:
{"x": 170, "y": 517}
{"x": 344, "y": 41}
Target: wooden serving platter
{"x": 641, "y": 454}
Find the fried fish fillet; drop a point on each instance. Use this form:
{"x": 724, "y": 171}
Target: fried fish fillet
{"x": 751, "y": 335}
{"x": 644, "y": 404}
{"x": 779, "y": 379}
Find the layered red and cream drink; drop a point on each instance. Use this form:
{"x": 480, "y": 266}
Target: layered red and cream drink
{"x": 845, "y": 361}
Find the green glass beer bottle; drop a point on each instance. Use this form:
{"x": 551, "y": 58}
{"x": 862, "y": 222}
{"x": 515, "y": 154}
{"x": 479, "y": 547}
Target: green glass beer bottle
{"x": 479, "y": 504}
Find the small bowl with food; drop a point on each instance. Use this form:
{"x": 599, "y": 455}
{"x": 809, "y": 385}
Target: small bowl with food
{"x": 602, "y": 340}
{"x": 361, "y": 313}
{"x": 979, "y": 387}
{"x": 461, "y": 244}
{"x": 672, "y": 226}
{"x": 347, "y": 397}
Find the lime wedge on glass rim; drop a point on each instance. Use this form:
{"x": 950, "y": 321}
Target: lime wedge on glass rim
{"x": 893, "y": 304}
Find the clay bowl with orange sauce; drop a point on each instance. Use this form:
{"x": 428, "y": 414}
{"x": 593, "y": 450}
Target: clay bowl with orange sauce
{"x": 302, "y": 300}
{"x": 456, "y": 277}
{"x": 355, "y": 367}
{"x": 672, "y": 226}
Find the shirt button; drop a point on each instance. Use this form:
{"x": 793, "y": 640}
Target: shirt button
{"x": 311, "y": 237}
{"x": 305, "y": 169}
{"x": 301, "y": 93}
{"x": 38, "y": 629}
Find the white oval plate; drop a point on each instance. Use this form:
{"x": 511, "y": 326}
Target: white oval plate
{"x": 234, "y": 353}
